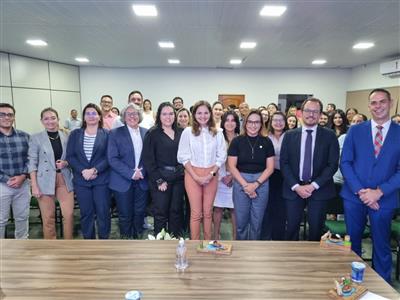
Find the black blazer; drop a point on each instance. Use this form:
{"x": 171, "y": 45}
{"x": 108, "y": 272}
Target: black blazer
{"x": 325, "y": 162}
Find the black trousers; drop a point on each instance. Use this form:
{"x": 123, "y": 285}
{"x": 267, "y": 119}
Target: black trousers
{"x": 168, "y": 208}
{"x": 274, "y": 222}
{"x": 316, "y": 215}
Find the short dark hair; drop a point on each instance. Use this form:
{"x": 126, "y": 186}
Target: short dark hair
{"x": 96, "y": 108}
{"x": 333, "y": 105}
{"x": 380, "y": 90}
{"x": 176, "y": 98}
{"x": 134, "y": 92}
{"x": 104, "y": 96}
{"x": 8, "y": 105}
{"x": 316, "y": 100}
{"x": 325, "y": 114}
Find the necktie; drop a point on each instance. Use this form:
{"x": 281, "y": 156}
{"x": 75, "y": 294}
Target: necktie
{"x": 378, "y": 140}
{"x": 307, "y": 157}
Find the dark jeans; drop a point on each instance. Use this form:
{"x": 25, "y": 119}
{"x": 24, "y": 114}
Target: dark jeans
{"x": 94, "y": 204}
{"x": 274, "y": 222}
{"x": 316, "y": 215}
{"x": 131, "y": 207}
{"x": 168, "y": 208}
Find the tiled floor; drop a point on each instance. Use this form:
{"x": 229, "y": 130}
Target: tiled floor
{"x": 35, "y": 232}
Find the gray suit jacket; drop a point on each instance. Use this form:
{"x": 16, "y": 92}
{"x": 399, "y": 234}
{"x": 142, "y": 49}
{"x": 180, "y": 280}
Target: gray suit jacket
{"x": 41, "y": 159}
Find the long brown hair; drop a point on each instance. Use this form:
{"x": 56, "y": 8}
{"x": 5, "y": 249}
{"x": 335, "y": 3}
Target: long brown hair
{"x": 210, "y": 123}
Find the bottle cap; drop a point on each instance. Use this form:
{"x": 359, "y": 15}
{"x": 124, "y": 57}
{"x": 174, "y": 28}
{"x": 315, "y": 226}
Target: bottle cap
{"x": 133, "y": 295}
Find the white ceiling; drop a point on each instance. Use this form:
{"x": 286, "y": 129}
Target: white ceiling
{"x": 205, "y": 33}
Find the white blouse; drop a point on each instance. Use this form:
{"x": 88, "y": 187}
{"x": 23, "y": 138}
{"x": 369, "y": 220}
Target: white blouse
{"x": 277, "y": 147}
{"x": 202, "y": 151}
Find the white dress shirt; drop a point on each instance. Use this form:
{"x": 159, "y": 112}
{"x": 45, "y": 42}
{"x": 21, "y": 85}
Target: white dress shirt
{"x": 137, "y": 143}
{"x": 277, "y": 147}
{"x": 302, "y": 150}
{"x": 202, "y": 151}
{"x": 385, "y": 129}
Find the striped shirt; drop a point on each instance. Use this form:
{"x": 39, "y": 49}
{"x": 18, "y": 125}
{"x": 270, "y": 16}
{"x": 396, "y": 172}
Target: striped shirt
{"x": 88, "y": 144}
{"x": 13, "y": 154}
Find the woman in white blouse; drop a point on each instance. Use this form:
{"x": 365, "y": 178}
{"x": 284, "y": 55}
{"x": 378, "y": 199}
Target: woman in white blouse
{"x": 202, "y": 151}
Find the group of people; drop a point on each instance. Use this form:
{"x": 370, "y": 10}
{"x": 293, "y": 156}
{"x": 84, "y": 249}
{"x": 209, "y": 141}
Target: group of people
{"x": 255, "y": 162}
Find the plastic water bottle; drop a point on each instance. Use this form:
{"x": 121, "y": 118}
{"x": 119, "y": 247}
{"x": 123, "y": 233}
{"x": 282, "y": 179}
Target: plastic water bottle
{"x": 181, "y": 256}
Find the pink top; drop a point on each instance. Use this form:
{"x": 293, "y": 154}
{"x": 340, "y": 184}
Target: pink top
{"x": 108, "y": 120}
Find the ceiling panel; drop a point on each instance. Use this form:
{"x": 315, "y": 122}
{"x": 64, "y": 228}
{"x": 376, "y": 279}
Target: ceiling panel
{"x": 206, "y": 33}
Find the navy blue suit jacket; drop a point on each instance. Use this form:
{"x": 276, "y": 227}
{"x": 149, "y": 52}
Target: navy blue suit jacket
{"x": 77, "y": 159}
{"x": 325, "y": 162}
{"x": 361, "y": 169}
{"x": 121, "y": 157}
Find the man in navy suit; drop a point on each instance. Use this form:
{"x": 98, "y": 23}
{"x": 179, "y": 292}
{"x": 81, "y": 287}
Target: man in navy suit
{"x": 371, "y": 168}
{"x": 309, "y": 158}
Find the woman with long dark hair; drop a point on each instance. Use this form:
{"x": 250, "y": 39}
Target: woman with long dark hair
{"x": 339, "y": 122}
{"x": 160, "y": 150}
{"x": 230, "y": 125}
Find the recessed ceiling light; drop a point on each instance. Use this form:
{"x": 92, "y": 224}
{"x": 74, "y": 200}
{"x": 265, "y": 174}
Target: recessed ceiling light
{"x": 145, "y": 10}
{"x": 248, "y": 45}
{"x": 235, "y": 61}
{"x": 82, "y": 59}
{"x": 166, "y": 45}
{"x": 363, "y": 45}
{"x": 272, "y": 11}
{"x": 174, "y": 61}
{"x": 38, "y": 43}
{"x": 318, "y": 62}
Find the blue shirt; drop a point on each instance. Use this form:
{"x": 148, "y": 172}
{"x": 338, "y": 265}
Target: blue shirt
{"x": 13, "y": 154}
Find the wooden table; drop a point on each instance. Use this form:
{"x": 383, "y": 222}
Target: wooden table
{"x": 78, "y": 269}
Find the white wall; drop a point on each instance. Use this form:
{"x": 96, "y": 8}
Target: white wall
{"x": 369, "y": 77}
{"x": 33, "y": 84}
{"x": 260, "y": 86}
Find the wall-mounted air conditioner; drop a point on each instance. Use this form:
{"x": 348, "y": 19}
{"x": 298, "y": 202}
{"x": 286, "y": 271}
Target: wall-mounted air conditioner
{"x": 390, "y": 68}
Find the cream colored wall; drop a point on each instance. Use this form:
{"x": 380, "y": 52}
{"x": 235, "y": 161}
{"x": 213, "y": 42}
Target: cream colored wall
{"x": 32, "y": 84}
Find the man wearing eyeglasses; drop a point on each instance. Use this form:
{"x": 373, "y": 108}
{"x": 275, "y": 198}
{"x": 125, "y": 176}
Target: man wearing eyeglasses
{"x": 309, "y": 158}
{"x": 370, "y": 166}
{"x": 106, "y": 104}
{"x": 14, "y": 188}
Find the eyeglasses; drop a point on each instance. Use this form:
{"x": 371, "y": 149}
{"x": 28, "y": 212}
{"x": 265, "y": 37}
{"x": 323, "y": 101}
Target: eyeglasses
{"x": 131, "y": 114}
{"x": 278, "y": 120}
{"x": 9, "y": 115}
{"x": 91, "y": 113}
{"x": 310, "y": 111}
{"x": 253, "y": 123}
